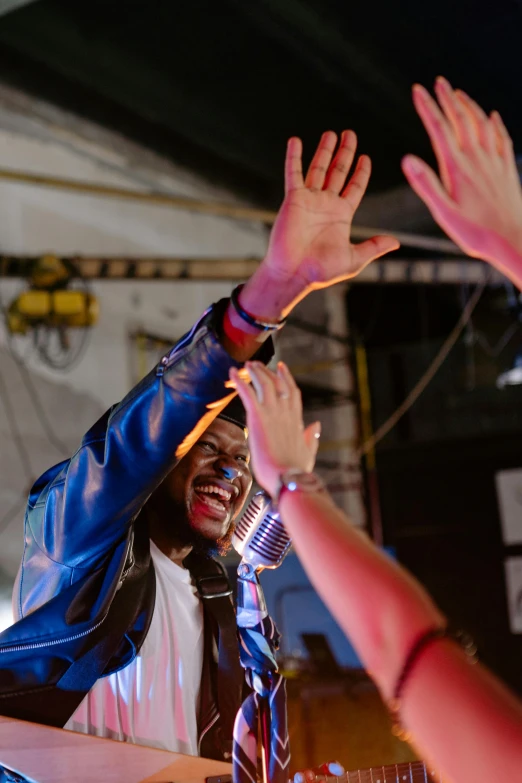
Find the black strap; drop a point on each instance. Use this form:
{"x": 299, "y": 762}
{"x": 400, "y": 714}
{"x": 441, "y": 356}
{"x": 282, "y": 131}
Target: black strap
{"x": 216, "y": 593}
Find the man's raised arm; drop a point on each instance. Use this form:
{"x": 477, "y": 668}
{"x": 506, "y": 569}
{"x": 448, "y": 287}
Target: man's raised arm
{"x": 79, "y": 508}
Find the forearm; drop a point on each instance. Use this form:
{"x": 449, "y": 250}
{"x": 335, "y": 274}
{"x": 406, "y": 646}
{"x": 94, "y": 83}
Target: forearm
{"x": 463, "y": 720}
{"x": 377, "y": 604}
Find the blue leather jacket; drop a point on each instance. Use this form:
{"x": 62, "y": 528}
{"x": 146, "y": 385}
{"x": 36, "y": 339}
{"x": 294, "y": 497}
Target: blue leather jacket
{"x": 86, "y": 557}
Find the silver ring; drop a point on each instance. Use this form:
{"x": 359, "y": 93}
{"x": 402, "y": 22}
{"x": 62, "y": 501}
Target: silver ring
{"x": 284, "y": 395}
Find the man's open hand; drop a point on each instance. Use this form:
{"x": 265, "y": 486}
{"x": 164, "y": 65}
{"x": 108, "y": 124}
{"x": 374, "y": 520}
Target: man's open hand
{"x": 310, "y": 243}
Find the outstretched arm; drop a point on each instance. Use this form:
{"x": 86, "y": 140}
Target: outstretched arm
{"x": 477, "y": 198}
{"x": 463, "y": 720}
{"x": 81, "y": 508}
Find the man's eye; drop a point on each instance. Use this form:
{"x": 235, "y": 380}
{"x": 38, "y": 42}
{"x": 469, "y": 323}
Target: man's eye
{"x": 243, "y": 458}
{"x": 207, "y": 445}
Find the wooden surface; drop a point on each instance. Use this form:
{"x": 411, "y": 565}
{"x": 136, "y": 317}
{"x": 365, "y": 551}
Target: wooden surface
{"x": 48, "y": 755}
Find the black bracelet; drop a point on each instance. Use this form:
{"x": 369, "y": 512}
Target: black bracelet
{"x": 423, "y": 641}
{"x": 261, "y": 325}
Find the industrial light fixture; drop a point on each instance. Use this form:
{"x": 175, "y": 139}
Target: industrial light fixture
{"x": 512, "y": 377}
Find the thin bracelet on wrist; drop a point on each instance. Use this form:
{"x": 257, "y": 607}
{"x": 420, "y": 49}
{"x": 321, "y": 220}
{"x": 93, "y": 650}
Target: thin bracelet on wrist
{"x": 262, "y": 326}
{"x": 423, "y": 641}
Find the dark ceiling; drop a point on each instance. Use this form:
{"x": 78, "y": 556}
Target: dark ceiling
{"x": 220, "y": 84}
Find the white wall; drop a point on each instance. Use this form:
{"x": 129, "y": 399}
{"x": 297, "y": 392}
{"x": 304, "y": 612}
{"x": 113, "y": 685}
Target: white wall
{"x": 35, "y": 220}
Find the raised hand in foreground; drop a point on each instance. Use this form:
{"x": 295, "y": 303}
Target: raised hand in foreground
{"x": 277, "y": 438}
{"x": 477, "y": 198}
{"x": 462, "y": 720}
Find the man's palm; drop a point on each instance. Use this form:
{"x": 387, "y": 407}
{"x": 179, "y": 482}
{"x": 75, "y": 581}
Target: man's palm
{"x": 311, "y": 236}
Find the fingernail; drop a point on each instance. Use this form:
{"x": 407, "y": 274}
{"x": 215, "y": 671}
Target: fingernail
{"x": 419, "y": 90}
{"x": 317, "y": 433}
{"x": 334, "y": 768}
{"x": 298, "y": 777}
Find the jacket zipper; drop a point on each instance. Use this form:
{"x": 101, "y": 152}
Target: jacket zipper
{"x": 207, "y": 729}
{"x": 36, "y": 645}
{"x": 177, "y": 351}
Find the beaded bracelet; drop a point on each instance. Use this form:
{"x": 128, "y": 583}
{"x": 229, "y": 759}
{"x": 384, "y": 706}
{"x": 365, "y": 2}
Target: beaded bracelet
{"x": 263, "y": 326}
{"x": 423, "y": 641}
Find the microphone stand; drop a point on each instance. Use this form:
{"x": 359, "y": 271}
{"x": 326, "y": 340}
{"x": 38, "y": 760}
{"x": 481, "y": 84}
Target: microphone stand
{"x": 251, "y": 610}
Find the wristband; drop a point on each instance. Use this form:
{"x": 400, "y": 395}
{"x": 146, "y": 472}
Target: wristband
{"x": 296, "y": 480}
{"x": 262, "y": 326}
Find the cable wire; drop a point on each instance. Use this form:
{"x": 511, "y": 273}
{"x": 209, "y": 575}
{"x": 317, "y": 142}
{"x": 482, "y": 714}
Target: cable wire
{"x": 425, "y": 379}
{"x": 54, "y": 440}
{"x": 22, "y": 453}
{"x": 15, "y": 432}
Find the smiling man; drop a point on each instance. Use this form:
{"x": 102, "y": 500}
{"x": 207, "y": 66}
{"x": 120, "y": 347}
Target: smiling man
{"x": 205, "y": 492}
{"x": 190, "y": 513}
{"x": 126, "y": 627}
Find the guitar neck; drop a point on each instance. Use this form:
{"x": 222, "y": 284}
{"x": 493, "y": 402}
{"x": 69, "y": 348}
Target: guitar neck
{"x": 408, "y": 772}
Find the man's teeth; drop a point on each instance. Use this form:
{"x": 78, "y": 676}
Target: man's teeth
{"x": 212, "y": 489}
{"x": 215, "y": 504}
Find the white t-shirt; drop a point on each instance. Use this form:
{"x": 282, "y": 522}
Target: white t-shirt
{"x": 154, "y": 700}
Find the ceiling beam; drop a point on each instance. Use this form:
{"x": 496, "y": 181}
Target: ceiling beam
{"x": 6, "y": 6}
{"x": 441, "y": 271}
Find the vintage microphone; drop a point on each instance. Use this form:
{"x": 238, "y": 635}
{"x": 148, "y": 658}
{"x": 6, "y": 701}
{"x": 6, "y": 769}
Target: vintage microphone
{"x": 262, "y": 541}
{"x": 260, "y": 537}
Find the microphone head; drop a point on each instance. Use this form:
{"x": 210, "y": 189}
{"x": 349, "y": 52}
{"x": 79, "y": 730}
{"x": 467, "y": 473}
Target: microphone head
{"x": 260, "y": 537}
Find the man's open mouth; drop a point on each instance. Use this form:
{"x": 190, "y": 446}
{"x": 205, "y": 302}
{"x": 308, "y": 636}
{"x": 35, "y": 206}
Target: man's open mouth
{"x": 215, "y": 497}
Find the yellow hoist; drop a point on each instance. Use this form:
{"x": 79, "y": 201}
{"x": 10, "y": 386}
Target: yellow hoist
{"x": 49, "y": 302}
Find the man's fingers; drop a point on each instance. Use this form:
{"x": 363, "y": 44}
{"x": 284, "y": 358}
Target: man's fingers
{"x": 373, "y": 248}
{"x": 441, "y": 135}
{"x": 294, "y": 165}
{"x": 356, "y": 188}
{"x": 341, "y": 164}
{"x": 321, "y": 161}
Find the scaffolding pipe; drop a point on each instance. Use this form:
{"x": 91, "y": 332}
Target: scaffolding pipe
{"x": 389, "y": 270}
